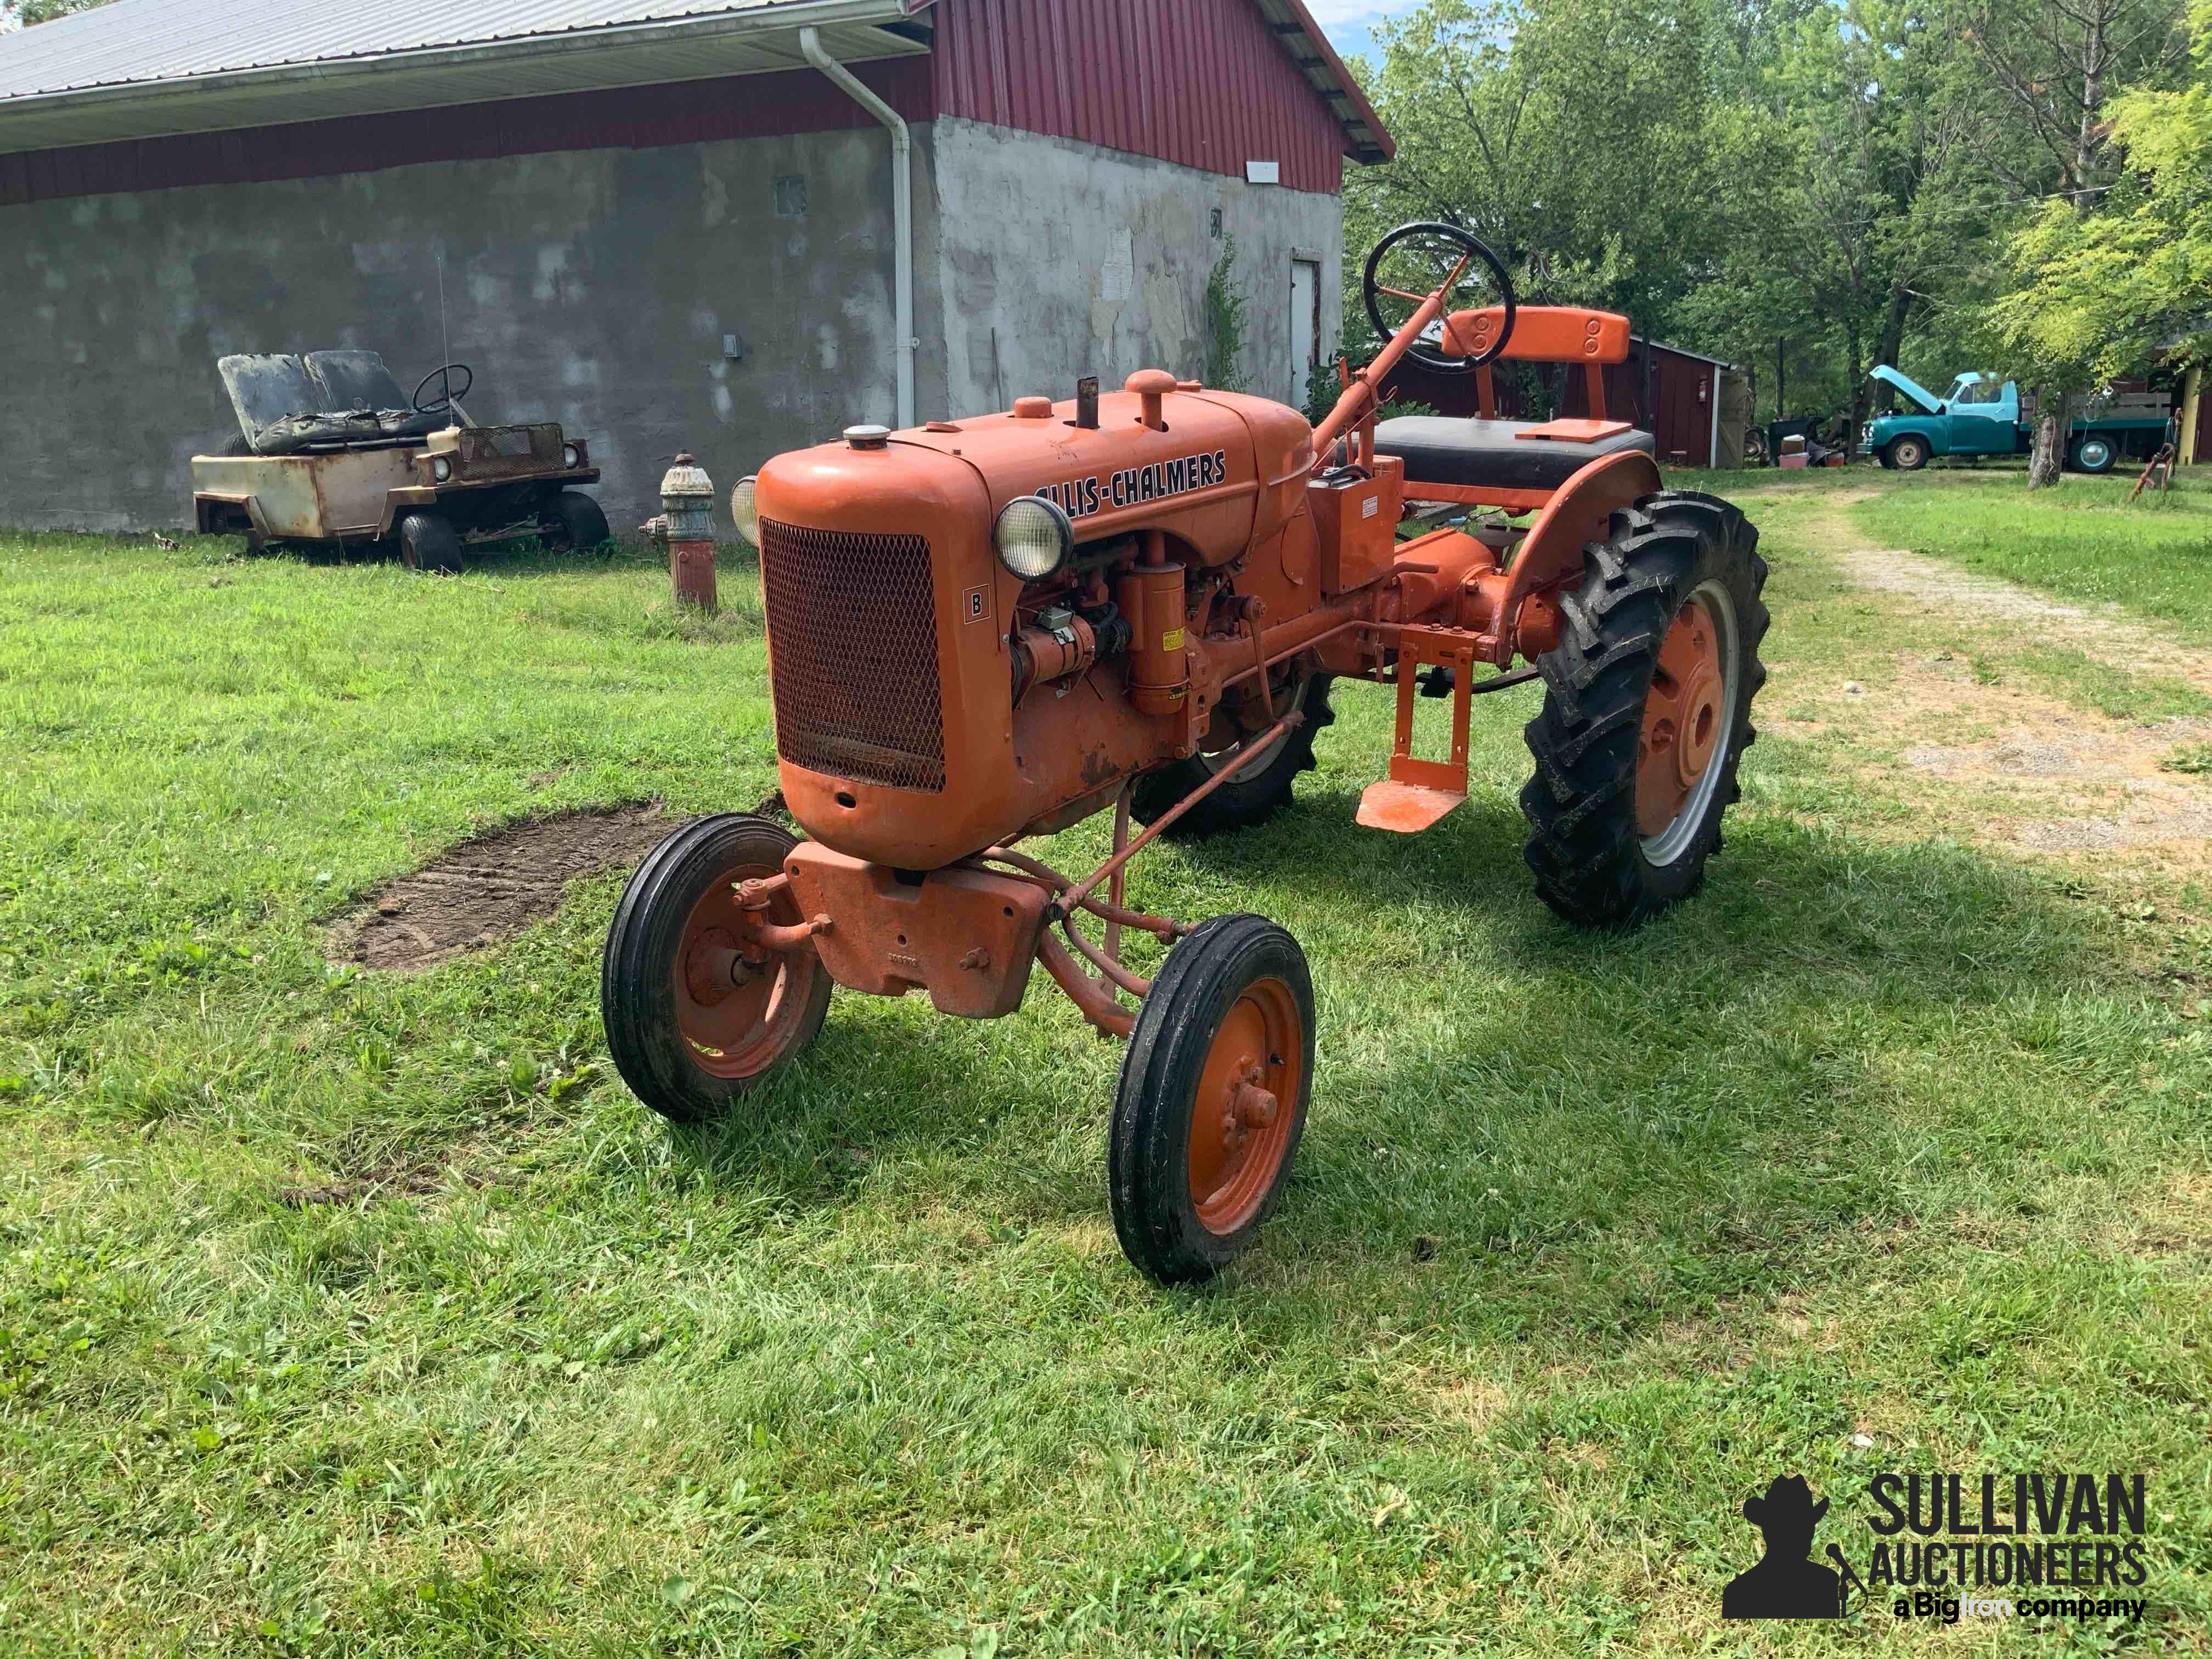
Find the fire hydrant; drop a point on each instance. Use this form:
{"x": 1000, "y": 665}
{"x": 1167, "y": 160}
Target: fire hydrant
{"x": 687, "y": 524}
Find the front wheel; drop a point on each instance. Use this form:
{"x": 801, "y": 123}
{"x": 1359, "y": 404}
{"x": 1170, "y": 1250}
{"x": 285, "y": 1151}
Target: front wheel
{"x": 693, "y": 1021}
{"x": 2095, "y": 454}
{"x": 573, "y": 521}
{"x": 430, "y": 544}
{"x": 1647, "y": 711}
{"x": 1907, "y": 455}
{"x": 1211, "y": 1099}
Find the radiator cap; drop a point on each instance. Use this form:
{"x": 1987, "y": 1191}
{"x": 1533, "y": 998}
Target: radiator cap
{"x": 868, "y": 437}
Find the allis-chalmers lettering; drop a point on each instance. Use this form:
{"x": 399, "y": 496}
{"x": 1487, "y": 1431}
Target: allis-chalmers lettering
{"x": 1080, "y": 497}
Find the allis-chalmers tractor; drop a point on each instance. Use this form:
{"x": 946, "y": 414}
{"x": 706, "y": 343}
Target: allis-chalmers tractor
{"x": 984, "y": 631}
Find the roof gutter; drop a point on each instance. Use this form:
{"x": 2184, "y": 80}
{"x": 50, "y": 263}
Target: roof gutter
{"x": 810, "y": 43}
{"x": 770, "y": 20}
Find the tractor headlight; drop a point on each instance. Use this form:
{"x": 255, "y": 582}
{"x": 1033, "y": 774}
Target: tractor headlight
{"x": 1033, "y": 538}
{"x": 745, "y": 511}
{"x": 569, "y": 458}
{"x": 440, "y": 468}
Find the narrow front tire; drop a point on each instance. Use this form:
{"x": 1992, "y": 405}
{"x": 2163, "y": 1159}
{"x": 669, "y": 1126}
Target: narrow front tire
{"x": 1211, "y": 1099}
{"x": 691, "y": 1024}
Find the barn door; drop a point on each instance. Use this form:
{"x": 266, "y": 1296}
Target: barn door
{"x": 1305, "y": 327}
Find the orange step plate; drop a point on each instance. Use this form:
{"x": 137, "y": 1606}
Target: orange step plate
{"x": 1406, "y": 808}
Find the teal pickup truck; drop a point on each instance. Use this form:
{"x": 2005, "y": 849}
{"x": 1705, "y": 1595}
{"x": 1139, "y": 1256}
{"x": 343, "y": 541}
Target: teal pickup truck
{"x": 1980, "y": 415}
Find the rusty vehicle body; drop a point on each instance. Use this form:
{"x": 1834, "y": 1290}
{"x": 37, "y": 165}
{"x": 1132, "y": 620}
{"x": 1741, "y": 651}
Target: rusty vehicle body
{"x": 985, "y": 631}
{"x": 331, "y": 452}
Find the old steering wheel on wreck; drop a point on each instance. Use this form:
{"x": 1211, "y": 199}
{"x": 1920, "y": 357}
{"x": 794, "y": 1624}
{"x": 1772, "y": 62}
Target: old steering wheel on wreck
{"x": 444, "y": 375}
{"x": 1411, "y": 263}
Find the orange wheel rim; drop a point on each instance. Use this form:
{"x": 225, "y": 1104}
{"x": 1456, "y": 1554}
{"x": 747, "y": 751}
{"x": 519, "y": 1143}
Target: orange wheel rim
{"x": 1246, "y": 1106}
{"x": 1685, "y": 718}
{"x": 737, "y": 1016}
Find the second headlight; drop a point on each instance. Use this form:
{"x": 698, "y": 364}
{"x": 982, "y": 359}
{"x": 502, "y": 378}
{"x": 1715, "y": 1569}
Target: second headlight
{"x": 1033, "y": 538}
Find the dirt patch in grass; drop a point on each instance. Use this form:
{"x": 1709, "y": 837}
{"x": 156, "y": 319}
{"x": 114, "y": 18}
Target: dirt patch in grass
{"x": 490, "y": 889}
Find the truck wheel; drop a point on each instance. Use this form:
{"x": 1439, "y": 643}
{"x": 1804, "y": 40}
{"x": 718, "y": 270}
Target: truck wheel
{"x": 1647, "y": 711}
{"x": 691, "y": 1024}
{"x": 2095, "y": 454}
{"x": 1256, "y": 795}
{"x": 572, "y": 519}
{"x": 430, "y": 544}
{"x": 1211, "y": 1099}
{"x": 1907, "y": 455}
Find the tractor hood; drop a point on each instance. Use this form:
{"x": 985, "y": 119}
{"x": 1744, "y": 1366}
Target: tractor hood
{"x": 1919, "y": 394}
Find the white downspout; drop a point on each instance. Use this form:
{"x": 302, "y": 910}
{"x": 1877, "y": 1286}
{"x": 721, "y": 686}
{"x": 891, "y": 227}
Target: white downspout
{"x": 810, "y": 43}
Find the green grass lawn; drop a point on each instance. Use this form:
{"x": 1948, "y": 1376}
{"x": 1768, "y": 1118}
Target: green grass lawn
{"x": 2079, "y": 539}
{"x": 1881, "y": 1138}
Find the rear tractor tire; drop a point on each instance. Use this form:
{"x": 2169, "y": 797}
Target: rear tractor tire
{"x": 430, "y": 544}
{"x": 1211, "y": 1099}
{"x": 574, "y": 522}
{"x": 1647, "y": 711}
{"x": 692, "y": 1026}
{"x": 1254, "y": 796}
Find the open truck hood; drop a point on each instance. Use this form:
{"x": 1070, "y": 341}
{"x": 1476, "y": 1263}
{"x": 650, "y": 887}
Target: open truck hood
{"x": 1920, "y": 394}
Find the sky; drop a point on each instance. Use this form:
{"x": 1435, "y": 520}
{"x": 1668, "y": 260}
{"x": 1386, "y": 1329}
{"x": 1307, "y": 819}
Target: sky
{"x": 1348, "y": 22}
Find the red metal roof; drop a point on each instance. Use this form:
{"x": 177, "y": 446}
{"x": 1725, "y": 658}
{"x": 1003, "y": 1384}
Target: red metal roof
{"x": 1212, "y": 84}
{"x": 1208, "y": 83}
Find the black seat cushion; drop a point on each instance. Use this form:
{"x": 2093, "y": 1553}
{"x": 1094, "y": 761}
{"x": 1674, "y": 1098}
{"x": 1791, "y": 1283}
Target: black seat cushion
{"x": 329, "y": 399}
{"x": 1476, "y": 453}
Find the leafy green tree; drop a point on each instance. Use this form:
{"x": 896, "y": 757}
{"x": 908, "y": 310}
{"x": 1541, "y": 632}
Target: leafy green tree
{"x": 1567, "y": 135}
{"x": 2111, "y": 291}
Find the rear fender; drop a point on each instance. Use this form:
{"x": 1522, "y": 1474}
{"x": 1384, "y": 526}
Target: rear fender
{"x": 1552, "y": 552}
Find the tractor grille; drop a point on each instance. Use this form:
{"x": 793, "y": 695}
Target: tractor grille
{"x": 852, "y": 623}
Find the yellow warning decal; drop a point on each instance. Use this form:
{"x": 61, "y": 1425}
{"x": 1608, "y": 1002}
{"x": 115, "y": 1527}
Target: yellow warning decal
{"x": 1171, "y": 642}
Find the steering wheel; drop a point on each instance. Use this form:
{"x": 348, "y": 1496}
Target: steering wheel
{"x": 444, "y": 373}
{"x": 1413, "y": 262}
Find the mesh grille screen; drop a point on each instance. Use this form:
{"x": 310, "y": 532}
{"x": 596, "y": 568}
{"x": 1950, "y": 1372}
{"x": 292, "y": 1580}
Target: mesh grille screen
{"x": 852, "y": 623}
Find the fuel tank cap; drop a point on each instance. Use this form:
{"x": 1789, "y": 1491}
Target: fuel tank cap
{"x": 868, "y": 437}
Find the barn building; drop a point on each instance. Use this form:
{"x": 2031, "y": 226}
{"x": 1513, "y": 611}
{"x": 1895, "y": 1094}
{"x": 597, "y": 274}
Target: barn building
{"x": 730, "y": 226}
{"x": 1695, "y": 407}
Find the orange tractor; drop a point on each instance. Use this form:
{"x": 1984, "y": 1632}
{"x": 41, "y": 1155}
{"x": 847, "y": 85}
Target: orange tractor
{"x": 981, "y": 632}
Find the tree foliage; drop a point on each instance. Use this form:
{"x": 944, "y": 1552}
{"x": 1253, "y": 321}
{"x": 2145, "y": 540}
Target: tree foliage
{"x": 2130, "y": 281}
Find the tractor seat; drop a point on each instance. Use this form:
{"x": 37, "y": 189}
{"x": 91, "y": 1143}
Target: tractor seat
{"x": 1476, "y": 454}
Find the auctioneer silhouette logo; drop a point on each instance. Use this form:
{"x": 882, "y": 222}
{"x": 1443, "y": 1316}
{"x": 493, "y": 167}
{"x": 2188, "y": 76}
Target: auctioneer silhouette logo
{"x": 1785, "y": 1584}
{"x": 2028, "y": 1548}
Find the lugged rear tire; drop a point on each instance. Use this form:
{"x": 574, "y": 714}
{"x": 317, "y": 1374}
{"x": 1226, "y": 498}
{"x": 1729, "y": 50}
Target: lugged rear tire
{"x": 1252, "y": 798}
{"x": 1596, "y": 863}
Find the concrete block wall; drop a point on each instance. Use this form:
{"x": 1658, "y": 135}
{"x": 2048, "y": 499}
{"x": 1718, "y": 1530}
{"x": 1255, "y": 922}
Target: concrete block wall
{"x": 597, "y": 288}
{"x": 1061, "y": 260}
{"x": 592, "y": 287}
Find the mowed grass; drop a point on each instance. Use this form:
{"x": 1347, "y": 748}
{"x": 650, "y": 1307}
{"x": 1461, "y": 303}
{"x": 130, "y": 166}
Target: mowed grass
{"x": 2081, "y": 539}
{"x": 1591, "y": 1237}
